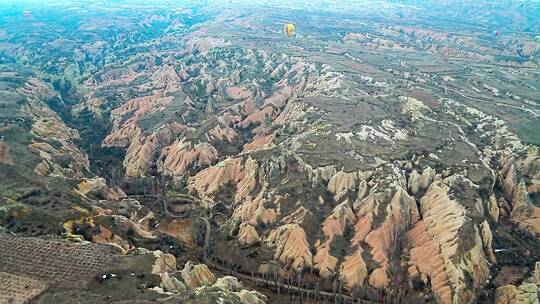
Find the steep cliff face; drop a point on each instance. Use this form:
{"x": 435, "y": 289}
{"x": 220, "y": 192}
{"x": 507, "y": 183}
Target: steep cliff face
{"x": 248, "y": 235}
{"x": 401, "y": 212}
{"x": 353, "y": 271}
{"x": 342, "y": 182}
{"x": 179, "y": 157}
{"x": 291, "y": 245}
{"x": 464, "y": 248}
{"x": 52, "y": 140}
{"x": 519, "y": 180}
{"x": 209, "y": 180}
{"x": 324, "y": 262}
{"x": 397, "y": 212}
{"x": 427, "y": 263}
{"x": 142, "y": 151}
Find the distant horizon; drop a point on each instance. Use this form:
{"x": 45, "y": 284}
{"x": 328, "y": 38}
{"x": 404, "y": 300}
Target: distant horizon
{"x": 499, "y": 15}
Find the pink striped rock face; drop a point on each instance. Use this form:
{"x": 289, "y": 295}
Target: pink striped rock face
{"x": 385, "y": 151}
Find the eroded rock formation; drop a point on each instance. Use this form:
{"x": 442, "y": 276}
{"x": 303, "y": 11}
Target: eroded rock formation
{"x": 291, "y": 246}
{"x": 516, "y": 202}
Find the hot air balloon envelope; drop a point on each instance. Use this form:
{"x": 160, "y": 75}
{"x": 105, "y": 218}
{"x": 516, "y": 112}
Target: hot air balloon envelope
{"x": 289, "y": 29}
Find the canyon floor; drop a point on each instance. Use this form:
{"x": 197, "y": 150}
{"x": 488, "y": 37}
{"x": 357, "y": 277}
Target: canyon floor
{"x": 385, "y": 153}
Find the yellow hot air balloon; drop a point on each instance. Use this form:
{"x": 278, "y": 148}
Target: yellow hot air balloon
{"x": 289, "y": 29}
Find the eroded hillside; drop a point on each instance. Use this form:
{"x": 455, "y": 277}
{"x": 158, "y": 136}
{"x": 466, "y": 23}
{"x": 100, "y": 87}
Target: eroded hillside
{"x": 362, "y": 159}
